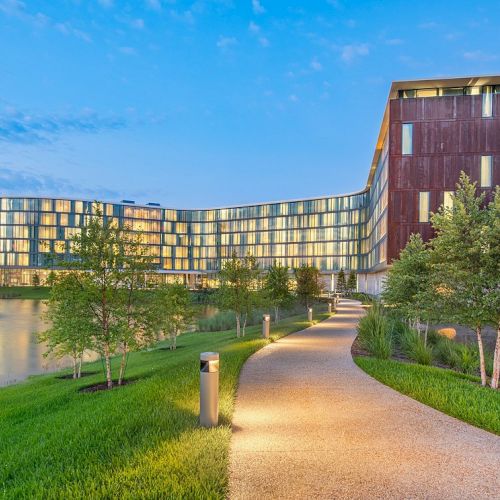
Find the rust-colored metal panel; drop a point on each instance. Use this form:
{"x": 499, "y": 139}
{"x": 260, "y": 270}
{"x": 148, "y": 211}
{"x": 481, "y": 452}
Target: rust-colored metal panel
{"x": 449, "y": 135}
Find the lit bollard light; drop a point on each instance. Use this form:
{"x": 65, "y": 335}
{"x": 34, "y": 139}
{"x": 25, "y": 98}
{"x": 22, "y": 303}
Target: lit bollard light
{"x": 209, "y": 389}
{"x": 309, "y": 314}
{"x": 266, "y": 321}
{"x": 330, "y": 307}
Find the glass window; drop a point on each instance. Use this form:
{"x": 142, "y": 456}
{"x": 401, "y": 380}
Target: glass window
{"x": 427, "y": 92}
{"x": 485, "y": 177}
{"x": 448, "y": 200}
{"x": 407, "y": 139}
{"x": 473, "y": 90}
{"x": 487, "y": 101}
{"x": 423, "y": 206}
{"x": 452, "y": 91}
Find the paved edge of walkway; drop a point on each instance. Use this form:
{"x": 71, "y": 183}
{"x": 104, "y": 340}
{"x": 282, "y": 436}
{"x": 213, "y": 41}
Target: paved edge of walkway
{"x": 309, "y": 423}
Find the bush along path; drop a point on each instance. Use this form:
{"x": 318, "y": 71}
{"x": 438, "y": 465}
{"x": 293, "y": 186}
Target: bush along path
{"x": 453, "y": 386}
{"x": 141, "y": 440}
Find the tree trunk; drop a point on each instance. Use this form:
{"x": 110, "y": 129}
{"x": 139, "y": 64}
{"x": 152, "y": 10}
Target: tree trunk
{"x": 276, "y": 314}
{"x": 107, "y": 359}
{"x": 244, "y": 323}
{"x": 426, "y": 332}
{"x": 80, "y": 366}
{"x": 175, "y": 340}
{"x": 238, "y": 325}
{"x": 74, "y": 368}
{"x": 481, "y": 355}
{"x": 496, "y": 362}
{"x": 123, "y": 363}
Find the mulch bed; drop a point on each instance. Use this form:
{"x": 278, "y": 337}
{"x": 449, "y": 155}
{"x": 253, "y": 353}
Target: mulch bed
{"x": 103, "y": 386}
{"x": 70, "y": 375}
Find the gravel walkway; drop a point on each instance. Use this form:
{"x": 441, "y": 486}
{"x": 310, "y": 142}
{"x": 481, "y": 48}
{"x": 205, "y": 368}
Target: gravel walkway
{"x": 310, "y": 424}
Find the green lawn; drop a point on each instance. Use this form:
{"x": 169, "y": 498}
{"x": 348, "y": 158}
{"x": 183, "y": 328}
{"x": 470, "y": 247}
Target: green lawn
{"x": 25, "y": 292}
{"x": 452, "y": 393}
{"x": 140, "y": 440}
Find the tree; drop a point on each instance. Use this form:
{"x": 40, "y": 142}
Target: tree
{"x": 35, "y": 280}
{"x": 341, "y": 284}
{"x": 492, "y": 260}
{"x": 461, "y": 260}
{"x": 352, "y": 282}
{"x": 308, "y": 284}
{"x": 173, "y": 309}
{"x": 408, "y": 286}
{"x": 277, "y": 288}
{"x": 133, "y": 304}
{"x": 238, "y": 288}
{"x": 71, "y": 330}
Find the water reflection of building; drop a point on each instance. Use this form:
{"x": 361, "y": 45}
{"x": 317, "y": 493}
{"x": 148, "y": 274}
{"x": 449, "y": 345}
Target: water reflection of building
{"x": 431, "y": 130}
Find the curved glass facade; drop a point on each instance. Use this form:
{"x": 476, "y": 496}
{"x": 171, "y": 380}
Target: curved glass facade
{"x": 330, "y": 233}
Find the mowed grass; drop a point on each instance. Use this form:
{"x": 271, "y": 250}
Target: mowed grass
{"x": 453, "y": 393}
{"x": 25, "y": 292}
{"x": 138, "y": 441}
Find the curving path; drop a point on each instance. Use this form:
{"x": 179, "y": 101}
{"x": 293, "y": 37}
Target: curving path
{"x": 309, "y": 423}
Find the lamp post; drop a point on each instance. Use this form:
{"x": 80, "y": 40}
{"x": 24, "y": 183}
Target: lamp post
{"x": 209, "y": 389}
{"x": 266, "y": 321}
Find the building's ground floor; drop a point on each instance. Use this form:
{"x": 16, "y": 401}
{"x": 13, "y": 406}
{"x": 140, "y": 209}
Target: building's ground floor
{"x": 371, "y": 283}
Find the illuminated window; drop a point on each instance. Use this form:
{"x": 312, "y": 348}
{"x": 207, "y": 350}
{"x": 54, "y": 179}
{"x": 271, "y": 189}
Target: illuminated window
{"x": 423, "y": 206}
{"x": 427, "y": 92}
{"x": 485, "y": 177}
{"x": 448, "y": 200}
{"x": 407, "y": 139}
{"x": 487, "y": 101}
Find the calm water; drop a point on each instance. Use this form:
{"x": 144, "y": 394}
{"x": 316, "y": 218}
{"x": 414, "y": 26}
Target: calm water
{"x": 20, "y": 353}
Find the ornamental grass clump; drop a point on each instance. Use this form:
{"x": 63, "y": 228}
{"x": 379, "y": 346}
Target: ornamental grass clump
{"x": 375, "y": 334}
{"x": 414, "y": 346}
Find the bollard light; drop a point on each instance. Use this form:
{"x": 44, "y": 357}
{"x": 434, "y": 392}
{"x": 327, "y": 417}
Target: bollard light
{"x": 329, "y": 307}
{"x": 266, "y": 321}
{"x": 309, "y": 314}
{"x": 209, "y": 389}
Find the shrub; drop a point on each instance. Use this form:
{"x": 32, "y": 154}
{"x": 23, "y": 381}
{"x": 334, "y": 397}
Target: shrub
{"x": 374, "y": 333}
{"x": 414, "y": 347}
{"x": 468, "y": 360}
{"x": 447, "y": 352}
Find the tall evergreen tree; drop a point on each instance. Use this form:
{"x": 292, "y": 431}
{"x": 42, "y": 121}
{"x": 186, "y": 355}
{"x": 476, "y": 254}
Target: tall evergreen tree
{"x": 351, "y": 282}
{"x": 341, "y": 283}
{"x": 308, "y": 285}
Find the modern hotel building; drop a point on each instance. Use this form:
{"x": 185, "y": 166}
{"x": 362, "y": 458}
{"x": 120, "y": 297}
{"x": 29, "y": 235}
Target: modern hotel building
{"x": 431, "y": 130}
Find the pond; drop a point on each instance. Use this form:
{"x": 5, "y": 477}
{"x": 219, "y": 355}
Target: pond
{"x": 20, "y": 353}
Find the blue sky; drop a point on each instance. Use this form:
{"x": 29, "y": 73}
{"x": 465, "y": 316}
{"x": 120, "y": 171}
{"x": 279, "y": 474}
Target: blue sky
{"x": 207, "y": 103}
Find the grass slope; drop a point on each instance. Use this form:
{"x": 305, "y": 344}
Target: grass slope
{"x": 141, "y": 440}
{"x": 25, "y": 292}
{"x": 452, "y": 393}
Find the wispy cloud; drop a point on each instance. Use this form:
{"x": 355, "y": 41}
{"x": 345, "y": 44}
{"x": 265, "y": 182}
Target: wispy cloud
{"x": 316, "y": 65}
{"x": 224, "y": 43}
{"x": 479, "y": 55}
{"x": 256, "y": 31}
{"x": 107, "y": 4}
{"x": 350, "y": 52}
{"x": 394, "y": 41}
{"x": 429, "y": 25}
{"x": 16, "y": 8}
{"x": 25, "y": 182}
{"x": 18, "y": 127}
{"x": 128, "y": 51}
{"x": 257, "y": 7}
{"x": 153, "y": 4}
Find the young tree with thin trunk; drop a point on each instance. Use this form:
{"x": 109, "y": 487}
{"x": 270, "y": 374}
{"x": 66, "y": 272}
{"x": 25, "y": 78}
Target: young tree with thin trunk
{"x": 277, "y": 288}
{"x": 461, "y": 257}
{"x": 173, "y": 311}
{"x": 493, "y": 272}
{"x": 238, "y": 288}
{"x": 134, "y": 302}
{"x": 71, "y": 330}
{"x": 408, "y": 286}
{"x": 308, "y": 285}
